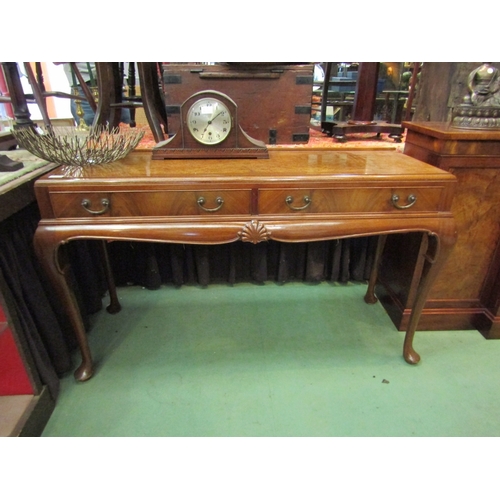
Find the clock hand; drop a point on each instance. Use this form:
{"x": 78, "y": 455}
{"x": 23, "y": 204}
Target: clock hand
{"x": 219, "y": 113}
{"x": 210, "y": 122}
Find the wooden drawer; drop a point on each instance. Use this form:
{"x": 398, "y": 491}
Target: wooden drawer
{"x": 317, "y": 201}
{"x": 150, "y": 203}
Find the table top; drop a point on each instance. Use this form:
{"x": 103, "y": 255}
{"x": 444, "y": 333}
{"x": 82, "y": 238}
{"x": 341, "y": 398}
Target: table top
{"x": 443, "y": 130}
{"x": 16, "y": 188}
{"x": 282, "y": 166}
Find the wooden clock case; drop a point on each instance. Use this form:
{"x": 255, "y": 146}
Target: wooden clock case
{"x": 238, "y": 144}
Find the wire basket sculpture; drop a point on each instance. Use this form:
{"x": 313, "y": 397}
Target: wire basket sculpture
{"x": 73, "y": 147}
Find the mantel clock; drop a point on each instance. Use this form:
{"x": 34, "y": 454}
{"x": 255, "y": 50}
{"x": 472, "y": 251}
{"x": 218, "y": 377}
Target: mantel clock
{"x": 209, "y": 128}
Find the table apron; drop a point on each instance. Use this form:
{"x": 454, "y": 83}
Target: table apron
{"x": 253, "y": 230}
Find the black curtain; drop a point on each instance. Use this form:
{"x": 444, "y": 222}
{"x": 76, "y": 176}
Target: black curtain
{"x": 152, "y": 264}
{"x": 46, "y": 330}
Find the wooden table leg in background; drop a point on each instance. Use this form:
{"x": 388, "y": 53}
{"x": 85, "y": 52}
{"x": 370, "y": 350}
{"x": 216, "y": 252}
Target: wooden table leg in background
{"x": 370, "y": 297}
{"x": 114, "y": 304}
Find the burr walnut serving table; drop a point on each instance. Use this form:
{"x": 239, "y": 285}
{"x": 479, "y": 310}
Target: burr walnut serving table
{"x": 294, "y": 196}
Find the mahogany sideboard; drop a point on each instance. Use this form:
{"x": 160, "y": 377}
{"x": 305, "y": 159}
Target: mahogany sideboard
{"x": 294, "y": 196}
{"x": 466, "y": 295}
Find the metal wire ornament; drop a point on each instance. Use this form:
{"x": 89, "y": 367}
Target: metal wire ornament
{"x": 73, "y": 147}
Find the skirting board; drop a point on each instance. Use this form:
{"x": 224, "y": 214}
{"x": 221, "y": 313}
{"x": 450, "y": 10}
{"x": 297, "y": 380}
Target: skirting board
{"x": 32, "y": 421}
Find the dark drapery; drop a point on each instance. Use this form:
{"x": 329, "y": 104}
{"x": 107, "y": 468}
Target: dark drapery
{"x": 151, "y": 264}
{"x": 45, "y": 329}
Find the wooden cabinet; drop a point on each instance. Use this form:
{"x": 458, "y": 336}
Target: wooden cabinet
{"x": 467, "y": 293}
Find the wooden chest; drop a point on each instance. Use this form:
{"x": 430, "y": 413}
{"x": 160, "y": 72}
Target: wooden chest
{"x": 274, "y": 100}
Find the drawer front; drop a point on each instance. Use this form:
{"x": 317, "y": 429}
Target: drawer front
{"x": 151, "y": 204}
{"x": 364, "y": 200}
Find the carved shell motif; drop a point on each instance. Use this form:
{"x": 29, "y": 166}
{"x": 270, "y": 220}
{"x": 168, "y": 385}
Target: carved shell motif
{"x": 254, "y": 232}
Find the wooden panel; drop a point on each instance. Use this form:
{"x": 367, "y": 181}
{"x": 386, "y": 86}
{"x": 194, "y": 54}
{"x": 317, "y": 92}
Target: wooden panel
{"x": 366, "y": 91}
{"x": 476, "y": 209}
{"x": 274, "y": 101}
{"x": 271, "y": 201}
{"x": 152, "y": 203}
{"x": 368, "y": 200}
{"x": 181, "y": 203}
{"x": 433, "y": 91}
{"x": 70, "y": 204}
{"x": 468, "y": 148}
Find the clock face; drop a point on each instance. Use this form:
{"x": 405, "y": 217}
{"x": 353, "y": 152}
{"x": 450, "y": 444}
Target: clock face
{"x": 209, "y": 121}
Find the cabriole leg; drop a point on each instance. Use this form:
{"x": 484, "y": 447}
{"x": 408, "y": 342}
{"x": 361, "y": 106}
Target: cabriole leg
{"x": 47, "y": 247}
{"x": 435, "y": 251}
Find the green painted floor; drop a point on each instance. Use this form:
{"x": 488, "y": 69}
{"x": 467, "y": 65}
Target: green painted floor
{"x": 275, "y": 360}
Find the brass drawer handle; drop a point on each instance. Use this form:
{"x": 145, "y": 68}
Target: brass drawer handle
{"x": 412, "y": 199}
{"x": 104, "y": 202}
{"x": 307, "y": 201}
{"x": 201, "y": 201}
